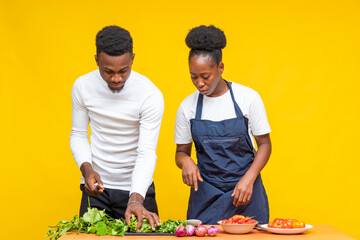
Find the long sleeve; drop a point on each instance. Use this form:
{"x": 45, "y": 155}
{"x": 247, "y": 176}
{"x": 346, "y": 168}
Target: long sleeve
{"x": 150, "y": 120}
{"x": 79, "y": 142}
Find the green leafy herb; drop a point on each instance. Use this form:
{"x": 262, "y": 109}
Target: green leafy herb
{"x": 98, "y": 222}
{"x": 101, "y": 229}
{"x": 170, "y": 226}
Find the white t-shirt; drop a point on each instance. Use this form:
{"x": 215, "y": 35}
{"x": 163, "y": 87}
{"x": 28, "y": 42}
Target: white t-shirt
{"x": 221, "y": 108}
{"x": 124, "y": 130}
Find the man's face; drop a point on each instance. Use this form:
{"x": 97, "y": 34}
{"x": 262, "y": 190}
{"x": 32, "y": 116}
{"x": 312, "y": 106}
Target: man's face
{"x": 115, "y": 70}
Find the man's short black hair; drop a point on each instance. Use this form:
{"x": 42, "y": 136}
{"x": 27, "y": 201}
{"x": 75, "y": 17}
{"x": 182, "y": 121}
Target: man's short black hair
{"x": 114, "y": 41}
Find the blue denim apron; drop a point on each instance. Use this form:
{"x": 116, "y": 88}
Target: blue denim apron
{"x": 224, "y": 152}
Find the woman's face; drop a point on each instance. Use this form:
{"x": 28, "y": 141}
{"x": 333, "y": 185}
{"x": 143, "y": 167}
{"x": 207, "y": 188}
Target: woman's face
{"x": 206, "y": 74}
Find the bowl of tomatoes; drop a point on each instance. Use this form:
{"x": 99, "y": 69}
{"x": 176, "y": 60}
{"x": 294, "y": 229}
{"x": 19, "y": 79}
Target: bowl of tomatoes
{"x": 238, "y": 224}
{"x": 286, "y": 226}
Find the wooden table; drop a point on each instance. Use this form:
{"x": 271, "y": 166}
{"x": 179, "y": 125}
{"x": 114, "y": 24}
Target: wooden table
{"x": 319, "y": 231}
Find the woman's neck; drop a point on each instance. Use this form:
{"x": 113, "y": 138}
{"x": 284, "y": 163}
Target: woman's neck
{"x": 221, "y": 89}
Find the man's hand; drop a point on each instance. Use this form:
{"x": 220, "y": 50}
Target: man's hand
{"x": 136, "y": 207}
{"x": 91, "y": 178}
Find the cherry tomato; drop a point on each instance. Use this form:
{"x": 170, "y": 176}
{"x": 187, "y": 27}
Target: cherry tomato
{"x": 237, "y": 217}
{"x": 270, "y": 225}
{"x": 247, "y": 219}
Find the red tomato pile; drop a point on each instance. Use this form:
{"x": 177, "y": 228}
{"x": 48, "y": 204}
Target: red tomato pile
{"x": 286, "y": 223}
{"x": 238, "y": 219}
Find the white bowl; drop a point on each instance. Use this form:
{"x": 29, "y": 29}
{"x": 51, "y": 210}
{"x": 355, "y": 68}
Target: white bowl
{"x": 194, "y": 222}
{"x": 237, "y": 228}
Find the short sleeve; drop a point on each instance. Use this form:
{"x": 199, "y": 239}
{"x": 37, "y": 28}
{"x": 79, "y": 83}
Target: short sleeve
{"x": 182, "y": 128}
{"x": 257, "y": 116}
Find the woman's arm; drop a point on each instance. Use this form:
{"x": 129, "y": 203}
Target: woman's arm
{"x": 243, "y": 189}
{"x": 190, "y": 171}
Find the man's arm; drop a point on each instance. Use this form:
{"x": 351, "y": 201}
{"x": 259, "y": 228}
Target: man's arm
{"x": 79, "y": 142}
{"x": 150, "y": 121}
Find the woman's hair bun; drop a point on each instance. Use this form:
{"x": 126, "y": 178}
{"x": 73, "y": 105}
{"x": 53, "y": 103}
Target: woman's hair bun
{"x": 206, "y": 38}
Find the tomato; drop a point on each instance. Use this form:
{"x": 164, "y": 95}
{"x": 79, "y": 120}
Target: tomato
{"x": 290, "y": 221}
{"x": 279, "y": 220}
{"x": 298, "y": 224}
{"x": 230, "y": 220}
{"x": 274, "y": 225}
{"x": 278, "y": 225}
{"x": 237, "y": 217}
{"x": 302, "y": 224}
{"x": 247, "y": 219}
{"x": 286, "y": 225}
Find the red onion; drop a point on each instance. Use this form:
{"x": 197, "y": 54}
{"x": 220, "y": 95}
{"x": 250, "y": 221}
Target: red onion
{"x": 180, "y": 231}
{"x": 200, "y": 231}
{"x": 190, "y": 230}
{"x": 212, "y": 231}
{"x": 215, "y": 228}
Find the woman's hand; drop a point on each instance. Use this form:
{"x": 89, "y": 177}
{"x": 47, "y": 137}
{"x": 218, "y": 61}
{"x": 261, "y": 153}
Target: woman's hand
{"x": 190, "y": 172}
{"x": 244, "y": 188}
{"x": 242, "y": 192}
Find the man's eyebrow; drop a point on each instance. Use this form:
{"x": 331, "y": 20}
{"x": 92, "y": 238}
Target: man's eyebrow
{"x": 201, "y": 73}
{"x": 107, "y": 69}
{"x": 124, "y": 68}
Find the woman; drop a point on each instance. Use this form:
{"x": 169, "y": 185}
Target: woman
{"x": 221, "y": 118}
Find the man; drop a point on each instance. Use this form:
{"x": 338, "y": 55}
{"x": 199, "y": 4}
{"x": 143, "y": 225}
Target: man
{"x": 125, "y": 111}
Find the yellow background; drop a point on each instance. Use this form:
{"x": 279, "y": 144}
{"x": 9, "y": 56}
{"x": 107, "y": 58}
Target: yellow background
{"x": 302, "y": 56}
